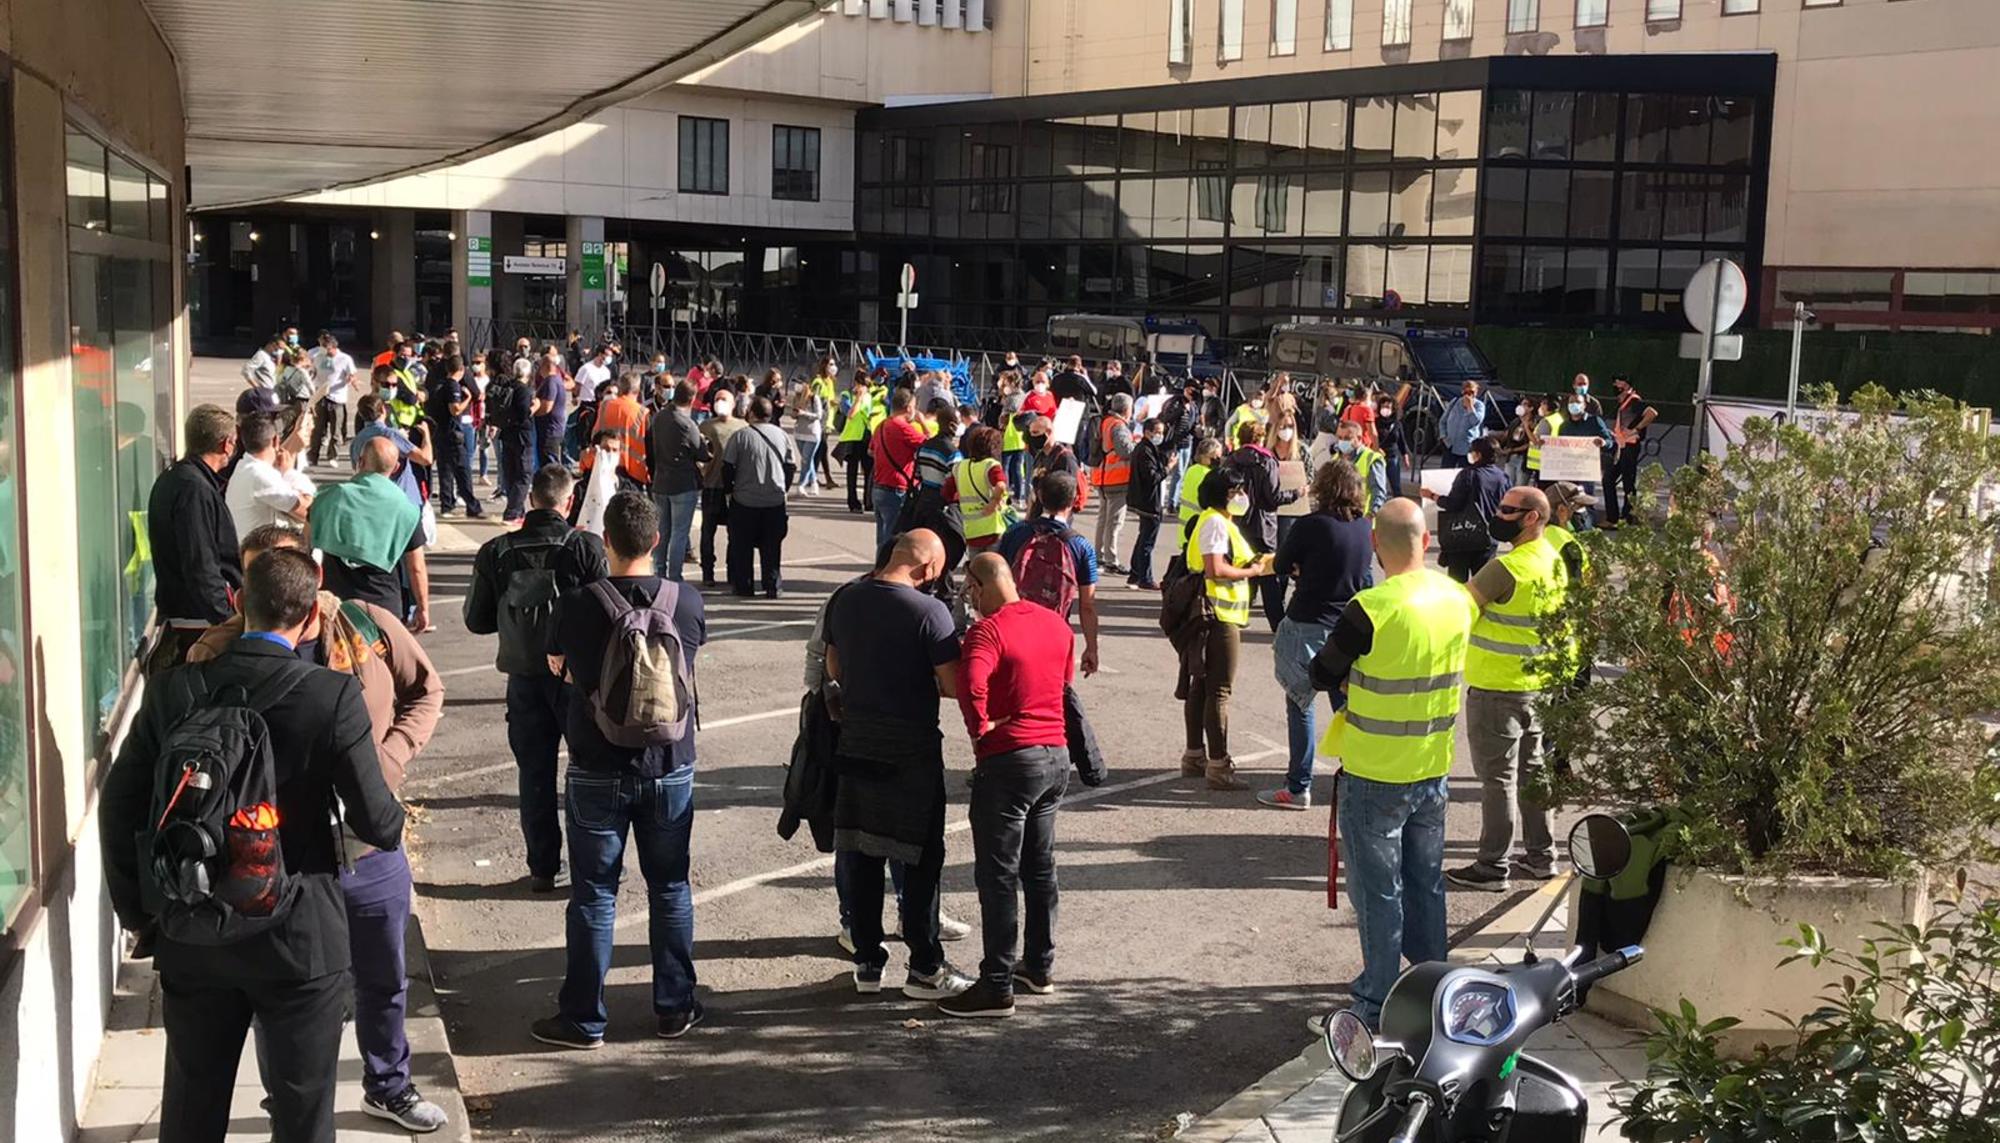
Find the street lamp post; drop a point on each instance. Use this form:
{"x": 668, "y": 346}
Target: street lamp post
{"x": 1800, "y": 316}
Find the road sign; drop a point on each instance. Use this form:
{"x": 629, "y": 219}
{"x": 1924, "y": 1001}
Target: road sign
{"x": 658, "y": 284}
{"x": 534, "y": 266}
{"x": 1728, "y": 346}
{"x": 593, "y": 266}
{"x": 1715, "y": 296}
{"x": 909, "y": 278}
{"x": 478, "y": 261}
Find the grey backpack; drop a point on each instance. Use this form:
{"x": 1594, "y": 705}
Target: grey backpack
{"x": 644, "y": 694}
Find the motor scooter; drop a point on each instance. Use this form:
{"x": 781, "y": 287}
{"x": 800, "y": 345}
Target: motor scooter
{"x": 1449, "y": 1064}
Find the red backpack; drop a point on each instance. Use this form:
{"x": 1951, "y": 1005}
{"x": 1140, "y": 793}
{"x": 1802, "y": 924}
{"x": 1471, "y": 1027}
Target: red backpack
{"x": 1045, "y": 572}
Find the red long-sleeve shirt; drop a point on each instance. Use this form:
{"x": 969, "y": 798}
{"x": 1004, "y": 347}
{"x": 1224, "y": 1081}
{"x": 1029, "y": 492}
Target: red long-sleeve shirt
{"x": 1012, "y": 668}
{"x": 895, "y": 446}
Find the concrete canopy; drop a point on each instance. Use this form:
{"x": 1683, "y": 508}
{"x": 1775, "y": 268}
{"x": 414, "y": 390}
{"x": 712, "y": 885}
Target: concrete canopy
{"x": 286, "y": 97}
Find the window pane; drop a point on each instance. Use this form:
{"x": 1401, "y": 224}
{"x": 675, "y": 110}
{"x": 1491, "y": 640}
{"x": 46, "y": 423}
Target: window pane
{"x": 89, "y": 204}
{"x": 1410, "y": 203}
{"x": 1663, "y": 9}
{"x": 1451, "y": 276}
{"x": 1288, "y": 133}
{"x": 1326, "y": 133}
{"x": 1180, "y": 32}
{"x": 1592, "y": 13}
{"x": 1947, "y": 293}
{"x": 1553, "y": 112}
{"x": 1523, "y": 16}
{"x": 1676, "y": 268}
{"x": 1548, "y": 204}
{"x": 1729, "y": 209}
{"x": 1687, "y": 138}
{"x": 1838, "y": 289}
{"x": 1542, "y": 281}
{"x": 1367, "y": 276}
{"x": 1135, "y": 207}
{"x": 1596, "y": 127}
{"x": 1639, "y": 210}
{"x": 1506, "y": 199}
{"x": 1395, "y": 22}
{"x": 1646, "y": 121}
{"x": 1456, "y": 197}
{"x": 1638, "y": 281}
{"x": 1170, "y": 207}
{"x": 1590, "y": 197}
{"x": 129, "y": 213}
{"x": 1368, "y": 205}
{"x": 1683, "y": 201}
{"x": 1499, "y": 277}
{"x": 1135, "y": 142}
{"x": 1733, "y": 119}
{"x": 1323, "y": 204}
{"x": 1034, "y": 210}
{"x": 1588, "y": 289}
{"x": 1416, "y": 126}
{"x": 1374, "y": 129}
{"x": 1339, "y": 25}
{"x": 1099, "y": 204}
{"x": 1738, "y": 7}
{"x": 1253, "y": 132}
{"x": 16, "y": 815}
{"x": 1409, "y": 274}
{"x": 1507, "y": 124}
{"x": 1458, "y": 125}
{"x": 1230, "y": 41}
{"x": 1284, "y": 27}
{"x": 1457, "y": 19}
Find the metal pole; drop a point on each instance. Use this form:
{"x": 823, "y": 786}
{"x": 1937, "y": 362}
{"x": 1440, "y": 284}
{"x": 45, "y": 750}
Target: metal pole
{"x": 1798, "y": 344}
{"x": 1707, "y": 376}
{"x": 903, "y": 334}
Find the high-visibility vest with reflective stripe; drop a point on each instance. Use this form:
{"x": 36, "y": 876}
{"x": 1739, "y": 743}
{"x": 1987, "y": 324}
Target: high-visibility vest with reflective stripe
{"x": 1230, "y": 597}
{"x": 1242, "y": 415}
{"x": 975, "y": 485}
{"x": 860, "y": 418}
{"x": 1365, "y": 460}
{"x": 1190, "y": 498}
{"x": 1403, "y": 696}
{"x": 1507, "y": 637}
{"x": 1551, "y": 426}
{"x": 1115, "y": 471}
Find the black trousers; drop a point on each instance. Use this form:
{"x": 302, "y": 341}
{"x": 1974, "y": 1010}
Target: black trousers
{"x": 759, "y": 533}
{"x": 715, "y": 509}
{"x": 454, "y": 475}
{"x": 919, "y": 903}
{"x": 536, "y": 708}
{"x": 1623, "y": 471}
{"x": 325, "y": 429}
{"x": 515, "y": 477}
{"x": 1013, "y": 814}
{"x": 206, "y": 1022}
{"x": 861, "y": 499}
{"x": 1461, "y": 565}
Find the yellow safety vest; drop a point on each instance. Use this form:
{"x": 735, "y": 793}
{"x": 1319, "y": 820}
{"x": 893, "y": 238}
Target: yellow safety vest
{"x": 983, "y": 513}
{"x": 1365, "y": 460}
{"x": 1403, "y": 696}
{"x": 1012, "y": 439}
{"x": 824, "y": 389}
{"x": 1230, "y": 597}
{"x": 878, "y": 407}
{"x": 1190, "y": 501}
{"x": 859, "y": 419}
{"x": 1243, "y": 415}
{"x": 1561, "y": 538}
{"x": 1551, "y": 426}
{"x": 1507, "y": 650}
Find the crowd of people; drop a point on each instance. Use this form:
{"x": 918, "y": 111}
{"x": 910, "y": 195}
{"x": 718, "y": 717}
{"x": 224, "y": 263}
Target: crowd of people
{"x": 289, "y": 684}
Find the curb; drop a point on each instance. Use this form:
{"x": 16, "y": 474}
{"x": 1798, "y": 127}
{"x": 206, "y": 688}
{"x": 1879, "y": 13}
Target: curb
{"x": 432, "y": 1067}
{"x": 1281, "y": 1083}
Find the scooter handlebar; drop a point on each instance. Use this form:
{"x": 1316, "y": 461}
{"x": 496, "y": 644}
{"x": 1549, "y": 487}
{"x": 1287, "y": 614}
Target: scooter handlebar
{"x": 1607, "y": 964}
{"x": 1413, "y": 1121}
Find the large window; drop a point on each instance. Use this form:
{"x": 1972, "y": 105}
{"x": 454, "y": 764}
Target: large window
{"x": 795, "y": 163}
{"x": 1229, "y": 38}
{"x": 1526, "y": 15}
{"x": 1659, "y": 10}
{"x": 1284, "y": 27}
{"x": 1395, "y": 23}
{"x": 1180, "y": 32}
{"x": 704, "y": 155}
{"x": 121, "y": 369}
{"x": 1457, "y": 19}
{"x": 909, "y": 171}
{"x": 1593, "y": 13}
{"x": 1339, "y": 25}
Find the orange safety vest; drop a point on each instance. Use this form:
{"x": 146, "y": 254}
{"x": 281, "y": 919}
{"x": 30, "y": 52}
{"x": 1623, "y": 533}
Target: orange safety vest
{"x": 1114, "y": 471}
{"x": 628, "y": 417}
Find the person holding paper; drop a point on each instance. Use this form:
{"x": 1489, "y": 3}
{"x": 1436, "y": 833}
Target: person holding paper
{"x": 1260, "y": 520}
{"x": 1581, "y": 419}
{"x": 1464, "y": 543}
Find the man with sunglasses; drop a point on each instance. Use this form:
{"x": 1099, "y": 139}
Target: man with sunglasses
{"x": 1509, "y": 663}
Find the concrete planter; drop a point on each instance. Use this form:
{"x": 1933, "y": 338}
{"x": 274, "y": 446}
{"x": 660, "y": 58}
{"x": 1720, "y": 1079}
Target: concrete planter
{"x": 1715, "y": 940}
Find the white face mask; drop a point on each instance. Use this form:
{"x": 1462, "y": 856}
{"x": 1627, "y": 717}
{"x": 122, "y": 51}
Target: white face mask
{"x": 1287, "y": 434}
{"x": 1155, "y": 439}
{"x": 724, "y": 408}
{"x": 1041, "y": 386}
{"x": 1576, "y": 408}
{"x": 1346, "y": 447}
{"x": 1238, "y": 505}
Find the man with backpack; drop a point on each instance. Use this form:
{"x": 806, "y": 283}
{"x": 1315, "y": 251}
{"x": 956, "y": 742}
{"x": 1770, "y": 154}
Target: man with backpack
{"x": 220, "y": 841}
{"x": 516, "y": 579}
{"x": 1056, "y": 567}
{"x": 510, "y": 412}
{"x": 405, "y": 697}
{"x": 627, "y": 644}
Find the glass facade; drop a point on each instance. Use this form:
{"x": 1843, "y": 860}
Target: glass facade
{"x": 121, "y": 363}
{"x": 1566, "y": 202}
{"x": 16, "y": 803}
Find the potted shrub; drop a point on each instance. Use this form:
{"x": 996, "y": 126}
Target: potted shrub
{"x": 1849, "y": 1071}
{"x": 1803, "y": 638}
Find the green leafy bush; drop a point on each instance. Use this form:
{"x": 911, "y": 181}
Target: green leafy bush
{"x": 1931, "y": 1075}
{"x": 1803, "y": 638}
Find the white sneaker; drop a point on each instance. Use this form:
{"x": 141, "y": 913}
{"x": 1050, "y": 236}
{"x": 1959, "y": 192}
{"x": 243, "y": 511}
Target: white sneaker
{"x": 950, "y": 928}
{"x": 946, "y": 981}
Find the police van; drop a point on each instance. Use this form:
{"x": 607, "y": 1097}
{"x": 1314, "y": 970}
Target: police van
{"x": 1172, "y": 345}
{"x": 1423, "y": 367}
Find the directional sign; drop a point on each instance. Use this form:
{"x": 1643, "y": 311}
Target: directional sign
{"x": 909, "y": 278}
{"x": 478, "y": 261}
{"x": 658, "y": 284}
{"x": 593, "y": 265}
{"x": 1718, "y": 291}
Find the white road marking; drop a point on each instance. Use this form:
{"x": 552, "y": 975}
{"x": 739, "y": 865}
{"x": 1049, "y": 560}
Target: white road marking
{"x": 486, "y": 668}
{"x": 502, "y": 767}
{"x": 763, "y": 627}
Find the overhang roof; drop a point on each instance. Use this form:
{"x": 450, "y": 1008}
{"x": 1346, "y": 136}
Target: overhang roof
{"x": 286, "y": 97}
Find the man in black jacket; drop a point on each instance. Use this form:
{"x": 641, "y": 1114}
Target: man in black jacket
{"x": 678, "y": 451}
{"x": 193, "y": 538}
{"x": 510, "y": 412}
{"x": 1154, "y": 465}
{"x": 537, "y": 701}
{"x": 293, "y": 977}
{"x": 1260, "y": 525}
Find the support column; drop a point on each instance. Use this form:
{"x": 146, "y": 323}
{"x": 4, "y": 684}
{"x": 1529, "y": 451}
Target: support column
{"x": 587, "y": 302}
{"x": 393, "y": 275}
{"x": 509, "y": 298}
{"x": 472, "y": 278}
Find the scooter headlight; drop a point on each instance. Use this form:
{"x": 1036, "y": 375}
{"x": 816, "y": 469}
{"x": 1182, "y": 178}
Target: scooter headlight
{"x": 1478, "y": 1012}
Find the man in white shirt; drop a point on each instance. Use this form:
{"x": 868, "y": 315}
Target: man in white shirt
{"x": 262, "y": 368}
{"x": 594, "y": 372}
{"x": 261, "y": 492}
{"x": 334, "y": 373}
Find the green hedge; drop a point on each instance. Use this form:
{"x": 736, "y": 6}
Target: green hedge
{"x": 1965, "y": 366}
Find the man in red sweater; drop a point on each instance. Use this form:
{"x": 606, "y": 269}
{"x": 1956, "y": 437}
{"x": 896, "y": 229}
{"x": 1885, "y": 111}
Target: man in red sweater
{"x": 895, "y": 448}
{"x": 1012, "y": 669}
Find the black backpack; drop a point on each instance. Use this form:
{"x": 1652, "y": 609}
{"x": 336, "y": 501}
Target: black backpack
{"x": 500, "y": 395}
{"x": 528, "y": 595}
{"x": 211, "y": 845}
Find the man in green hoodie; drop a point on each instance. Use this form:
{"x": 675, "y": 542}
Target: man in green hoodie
{"x": 367, "y": 528}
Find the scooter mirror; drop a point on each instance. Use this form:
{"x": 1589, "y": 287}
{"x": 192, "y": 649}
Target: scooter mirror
{"x": 1600, "y": 847}
{"x": 1352, "y": 1045}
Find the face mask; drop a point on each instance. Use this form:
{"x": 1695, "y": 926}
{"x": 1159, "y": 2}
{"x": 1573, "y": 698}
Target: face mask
{"x": 1504, "y": 530}
{"x": 724, "y": 408}
{"x": 1238, "y": 505}
{"x": 1522, "y": 410}
{"x": 1287, "y": 434}
{"x": 1582, "y": 389}
{"x": 1576, "y": 408}
{"x": 1346, "y": 447}
{"x": 1036, "y": 442}
{"x": 659, "y": 367}
{"x": 1256, "y": 402}
{"x": 291, "y": 339}
{"x": 1386, "y": 411}
{"x": 1155, "y": 439}
{"x": 1041, "y": 386}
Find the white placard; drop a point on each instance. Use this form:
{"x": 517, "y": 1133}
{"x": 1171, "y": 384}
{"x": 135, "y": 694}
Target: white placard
{"x": 1067, "y": 421}
{"x": 1580, "y": 459}
{"x": 1438, "y": 481}
{"x": 1292, "y": 474}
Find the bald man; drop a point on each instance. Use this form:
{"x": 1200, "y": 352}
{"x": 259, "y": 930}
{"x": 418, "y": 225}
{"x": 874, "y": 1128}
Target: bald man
{"x": 1398, "y": 652}
{"x": 892, "y": 650}
{"x": 371, "y": 535}
{"x": 1506, "y": 671}
{"x": 1016, "y": 664}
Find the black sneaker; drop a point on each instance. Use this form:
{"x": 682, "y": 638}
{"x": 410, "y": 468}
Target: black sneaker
{"x": 407, "y": 1109}
{"x": 867, "y": 979}
{"x": 564, "y": 1034}
{"x": 1039, "y": 983}
{"x": 1478, "y": 878}
{"x": 557, "y": 880}
{"x": 983, "y": 999}
{"x": 1527, "y": 872}
{"x": 674, "y": 1025}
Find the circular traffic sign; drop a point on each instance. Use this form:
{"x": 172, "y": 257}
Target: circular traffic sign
{"x": 1717, "y": 291}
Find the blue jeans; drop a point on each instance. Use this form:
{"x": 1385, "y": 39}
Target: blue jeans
{"x": 1142, "y": 552}
{"x": 1392, "y": 847}
{"x": 1292, "y": 653}
{"x": 378, "y": 891}
{"x": 808, "y": 450}
{"x": 474, "y": 447}
{"x": 843, "y": 871}
{"x": 659, "y": 812}
{"x": 676, "y": 530}
{"x": 1016, "y": 464}
{"x": 1394, "y": 459}
{"x": 888, "y": 506}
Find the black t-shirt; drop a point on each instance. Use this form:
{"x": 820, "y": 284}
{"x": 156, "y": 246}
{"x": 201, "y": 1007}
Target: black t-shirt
{"x": 384, "y": 589}
{"x": 1333, "y": 559}
{"x": 580, "y": 633}
{"x": 890, "y": 639}
{"x": 442, "y": 393}
{"x": 1627, "y": 415}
